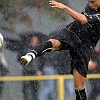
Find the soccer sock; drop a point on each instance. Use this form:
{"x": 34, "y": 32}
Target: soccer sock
{"x": 80, "y": 94}
{"x": 42, "y": 48}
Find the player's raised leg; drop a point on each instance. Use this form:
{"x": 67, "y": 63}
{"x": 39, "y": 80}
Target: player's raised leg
{"x": 50, "y": 45}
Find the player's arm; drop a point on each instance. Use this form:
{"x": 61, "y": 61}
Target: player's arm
{"x": 75, "y": 15}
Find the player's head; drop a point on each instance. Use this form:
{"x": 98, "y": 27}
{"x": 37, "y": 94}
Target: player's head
{"x": 94, "y": 4}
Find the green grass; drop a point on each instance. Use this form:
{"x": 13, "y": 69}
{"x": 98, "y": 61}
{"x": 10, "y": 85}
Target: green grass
{"x": 98, "y": 98}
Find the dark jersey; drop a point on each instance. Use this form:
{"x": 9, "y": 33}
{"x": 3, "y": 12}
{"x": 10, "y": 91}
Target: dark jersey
{"x": 80, "y": 39}
{"x": 87, "y": 33}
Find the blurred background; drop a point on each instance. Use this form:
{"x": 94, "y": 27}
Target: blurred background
{"x": 20, "y": 20}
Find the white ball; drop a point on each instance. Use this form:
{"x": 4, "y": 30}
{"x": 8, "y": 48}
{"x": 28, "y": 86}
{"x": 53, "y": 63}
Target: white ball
{"x": 1, "y": 40}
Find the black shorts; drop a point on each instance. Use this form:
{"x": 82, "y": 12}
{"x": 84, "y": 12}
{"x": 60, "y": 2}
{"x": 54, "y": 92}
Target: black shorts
{"x": 80, "y": 52}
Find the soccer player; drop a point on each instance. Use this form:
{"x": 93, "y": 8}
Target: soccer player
{"x": 80, "y": 37}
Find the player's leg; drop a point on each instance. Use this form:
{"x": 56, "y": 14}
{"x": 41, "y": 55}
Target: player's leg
{"x": 50, "y": 45}
{"x": 56, "y": 44}
{"x": 79, "y": 84}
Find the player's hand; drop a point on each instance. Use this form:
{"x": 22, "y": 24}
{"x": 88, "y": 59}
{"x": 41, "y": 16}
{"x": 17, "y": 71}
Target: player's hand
{"x": 55, "y": 4}
{"x": 25, "y": 60}
{"x": 92, "y": 65}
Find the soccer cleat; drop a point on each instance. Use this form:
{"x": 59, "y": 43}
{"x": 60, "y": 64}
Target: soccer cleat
{"x": 25, "y": 60}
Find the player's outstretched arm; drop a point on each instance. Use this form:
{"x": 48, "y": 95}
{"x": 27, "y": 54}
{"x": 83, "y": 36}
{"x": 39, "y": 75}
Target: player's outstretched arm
{"x": 75, "y": 15}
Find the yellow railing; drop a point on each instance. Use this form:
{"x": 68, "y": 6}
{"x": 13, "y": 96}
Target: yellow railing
{"x": 60, "y": 79}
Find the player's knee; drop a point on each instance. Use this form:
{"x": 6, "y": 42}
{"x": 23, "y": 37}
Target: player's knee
{"x": 56, "y": 44}
{"x": 79, "y": 80}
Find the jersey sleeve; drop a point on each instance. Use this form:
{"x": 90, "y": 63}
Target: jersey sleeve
{"x": 93, "y": 18}
{"x": 91, "y": 15}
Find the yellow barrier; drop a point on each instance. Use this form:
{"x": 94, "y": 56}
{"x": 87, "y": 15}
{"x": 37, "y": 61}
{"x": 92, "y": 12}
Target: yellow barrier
{"x": 60, "y": 79}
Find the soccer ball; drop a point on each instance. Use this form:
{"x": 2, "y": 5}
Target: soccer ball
{"x": 1, "y": 40}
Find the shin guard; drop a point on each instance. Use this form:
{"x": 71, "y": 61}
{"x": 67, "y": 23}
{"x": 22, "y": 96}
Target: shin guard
{"x": 80, "y": 94}
{"x": 41, "y": 48}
